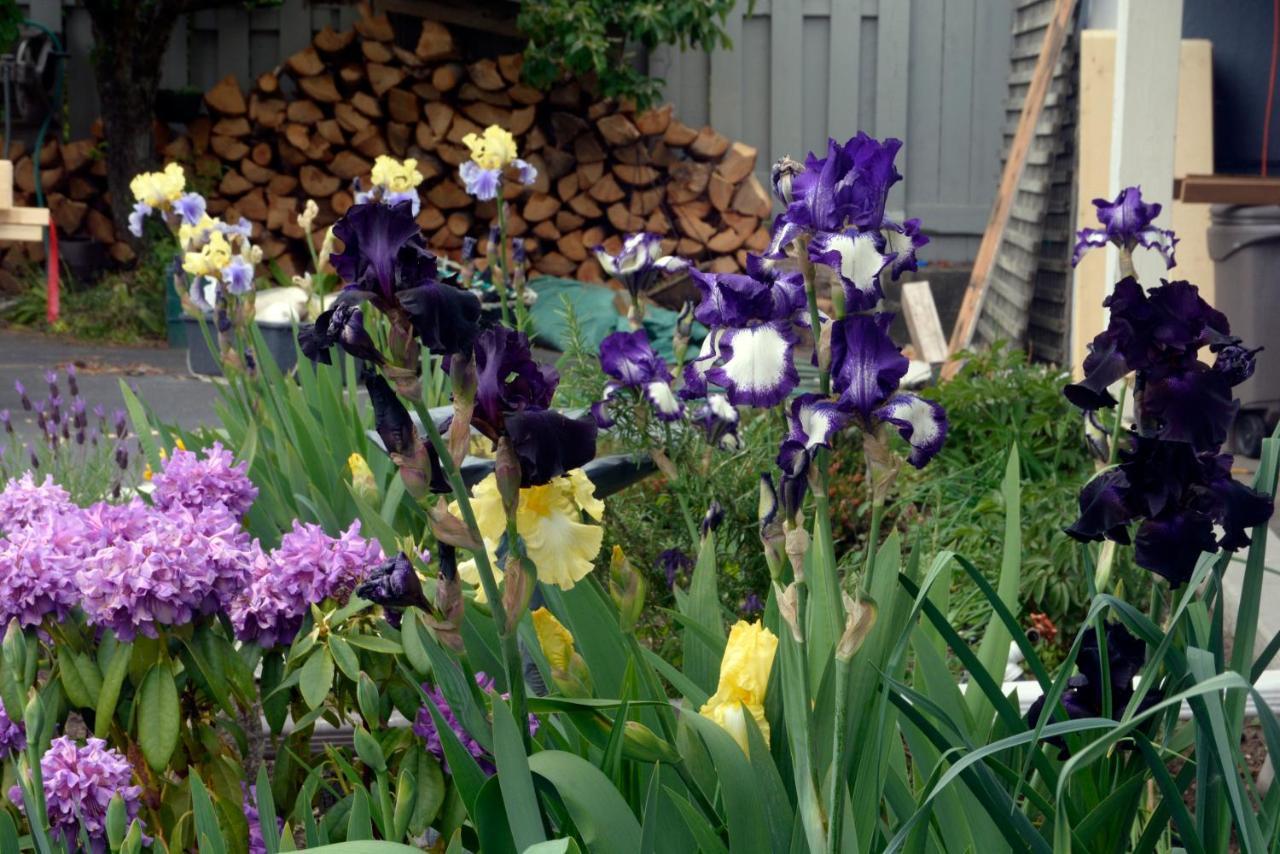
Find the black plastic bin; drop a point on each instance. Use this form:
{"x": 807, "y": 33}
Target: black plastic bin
{"x": 280, "y": 339}
{"x": 1244, "y": 242}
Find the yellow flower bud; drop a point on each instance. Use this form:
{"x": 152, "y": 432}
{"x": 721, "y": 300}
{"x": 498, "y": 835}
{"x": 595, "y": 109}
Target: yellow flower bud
{"x": 362, "y": 480}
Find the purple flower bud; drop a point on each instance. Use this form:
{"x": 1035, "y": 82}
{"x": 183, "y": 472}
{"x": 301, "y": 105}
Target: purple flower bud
{"x": 71, "y": 380}
{"x": 122, "y": 425}
{"x": 22, "y": 393}
{"x": 94, "y": 435}
{"x": 122, "y": 456}
{"x": 78, "y": 413}
{"x": 80, "y": 437}
{"x": 35, "y": 461}
{"x": 55, "y": 409}
{"x": 6, "y": 421}
{"x": 752, "y": 605}
{"x": 51, "y": 377}
{"x": 713, "y": 518}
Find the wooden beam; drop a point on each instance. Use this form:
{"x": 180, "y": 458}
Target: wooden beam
{"x": 1054, "y": 38}
{"x": 1227, "y": 190}
{"x": 24, "y": 216}
{"x": 490, "y": 16}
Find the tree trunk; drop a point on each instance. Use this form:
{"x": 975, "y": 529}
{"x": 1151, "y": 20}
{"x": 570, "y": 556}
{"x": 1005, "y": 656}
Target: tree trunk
{"x": 130, "y": 38}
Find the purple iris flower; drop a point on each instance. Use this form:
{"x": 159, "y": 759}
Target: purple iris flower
{"x": 190, "y": 207}
{"x": 513, "y": 392}
{"x": 866, "y": 366}
{"x": 395, "y": 586}
{"x": 857, "y": 259}
{"x": 848, "y": 187}
{"x": 719, "y": 420}
{"x": 482, "y": 183}
{"x": 137, "y": 216}
{"x": 630, "y": 360}
{"x": 752, "y": 605}
{"x": 343, "y": 325}
{"x": 639, "y": 263}
{"x": 238, "y": 276}
{"x": 374, "y": 238}
{"x": 1083, "y": 698}
{"x": 1127, "y": 223}
{"x": 1177, "y": 494}
{"x": 385, "y": 261}
{"x": 674, "y": 564}
{"x": 749, "y": 351}
{"x": 1159, "y": 334}
{"x": 902, "y": 240}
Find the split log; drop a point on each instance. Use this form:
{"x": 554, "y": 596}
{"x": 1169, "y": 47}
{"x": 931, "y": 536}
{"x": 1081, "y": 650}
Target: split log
{"x": 305, "y": 63}
{"x": 330, "y": 40}
{"x": 226, "y": 98}
{"x": 316, "y": 183}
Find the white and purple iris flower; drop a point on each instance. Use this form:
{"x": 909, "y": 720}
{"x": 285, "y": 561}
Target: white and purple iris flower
{"x": 486, "y": 184}
{"x": 639, "y": 263}
{"x": 719, "y": 421}
{"x": 629, "y": 359}
{"x": 238, "y": 276}
{"x": 1127, "y": 223}
{"x": 750, "y": 349}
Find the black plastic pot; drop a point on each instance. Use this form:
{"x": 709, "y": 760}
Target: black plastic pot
{"x": 85, "y": 258}
{"x": 178, "y": 106}
{"x": 204, "y": 362}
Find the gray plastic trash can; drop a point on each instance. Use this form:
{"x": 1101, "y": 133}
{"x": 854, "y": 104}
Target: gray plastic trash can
{"x": 1244, "y": 242}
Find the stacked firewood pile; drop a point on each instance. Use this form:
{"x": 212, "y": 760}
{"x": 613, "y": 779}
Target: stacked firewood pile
{"x": 314, "y": 125}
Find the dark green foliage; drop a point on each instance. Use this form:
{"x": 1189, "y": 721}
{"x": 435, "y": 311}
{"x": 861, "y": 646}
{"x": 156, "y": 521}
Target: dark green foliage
{"x": 599, "y": 37}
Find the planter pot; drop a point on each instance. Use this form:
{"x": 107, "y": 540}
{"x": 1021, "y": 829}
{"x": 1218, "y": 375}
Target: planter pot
{"x": 178, "y": 107}
{"x": 204, "y": 362}
{"x": 85, "y": 258}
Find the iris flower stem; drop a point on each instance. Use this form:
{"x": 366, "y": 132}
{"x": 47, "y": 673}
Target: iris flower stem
{"x": 835, "y": 800}
{"x": 1117, "y": 424}
{"x": 873, "y": 540}
{"x": 506, "y": 633}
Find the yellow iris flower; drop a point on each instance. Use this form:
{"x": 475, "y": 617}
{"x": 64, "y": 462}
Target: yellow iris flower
{"x": 396, "y": 176}
{"x": 189, "y": 234}
{"x": 494, "y": 149}
{"x": 744, "y": 679}
{"x": 159, "y": 189}
{"x": 549, "y": 521}
{"x": 211, "y": 258}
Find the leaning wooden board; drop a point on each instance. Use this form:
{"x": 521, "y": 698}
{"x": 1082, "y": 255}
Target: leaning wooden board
{"x": 966, "y": 322}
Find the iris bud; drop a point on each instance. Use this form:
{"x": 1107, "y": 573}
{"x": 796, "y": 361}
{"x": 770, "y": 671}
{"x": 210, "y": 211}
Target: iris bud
{"x": 712, "y": 520}
{"x": 517, "y": 589}
{"x": 626, "y": 588}
{"x": 362, "y": 480}
{"x": 506, "y": 469}
{"x": 860, "y": 618}
{"x": 771, "y": 536}
{"x": 784, "y": 170}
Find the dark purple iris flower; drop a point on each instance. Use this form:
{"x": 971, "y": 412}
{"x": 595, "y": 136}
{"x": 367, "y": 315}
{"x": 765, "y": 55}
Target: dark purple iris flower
{"x": 1127, "y": 223}
{"x": 385, "y": 261}
{"x": 1084, "y": 695}
{"x": 343, "y": 325}
{"x": 395, "y": 586}
{"x": 1159, "y": 334}
{"x": 1178, "y": 495}
{"x": 513, "y": 392}
{"x": 399, "y": 435}
{"x": 630, "y": 360}
{"x": 902, "y": 241}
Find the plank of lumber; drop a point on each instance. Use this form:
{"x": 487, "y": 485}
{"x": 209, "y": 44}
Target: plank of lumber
{"x": 24, "y": 216}
{"x": 1054, "y": 38}
{"x": 923, "y": 324}
{"x": 1228, "y": 190}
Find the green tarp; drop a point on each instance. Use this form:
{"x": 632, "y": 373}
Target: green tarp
{"x": 597, "y": 316}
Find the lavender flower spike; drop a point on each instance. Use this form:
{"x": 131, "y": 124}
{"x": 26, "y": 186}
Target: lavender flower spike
{"x": 1127, "y": 223}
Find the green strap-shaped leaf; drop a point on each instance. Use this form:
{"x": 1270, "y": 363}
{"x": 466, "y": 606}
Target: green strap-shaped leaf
{"x": 208, "y": 833}
{"x": 602, "y": 817}
{"x": 739, "y": 788}
{"x": 267, "y": 811}
{"x": 159, "y": 716}
{"x": 523, "y": 815}
{"x": 702, "y": 609}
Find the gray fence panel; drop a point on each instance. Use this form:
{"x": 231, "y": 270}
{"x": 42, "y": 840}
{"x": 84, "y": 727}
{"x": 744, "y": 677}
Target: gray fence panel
{"x": 931, "y": 72}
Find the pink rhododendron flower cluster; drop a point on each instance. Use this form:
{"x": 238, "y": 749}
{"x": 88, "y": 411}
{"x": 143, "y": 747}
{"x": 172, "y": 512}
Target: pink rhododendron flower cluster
{"x": 79, "y": 783}
{"x": 200, "y": 483}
